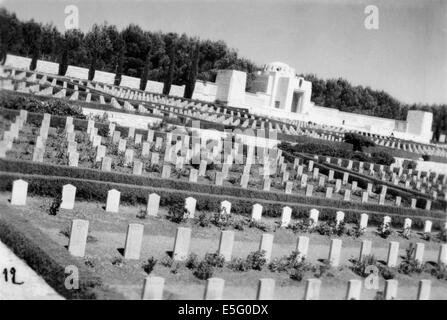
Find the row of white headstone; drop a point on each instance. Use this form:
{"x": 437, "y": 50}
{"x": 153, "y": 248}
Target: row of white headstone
{"x": 153, "y": 288}
{"x": 20, "y": 187}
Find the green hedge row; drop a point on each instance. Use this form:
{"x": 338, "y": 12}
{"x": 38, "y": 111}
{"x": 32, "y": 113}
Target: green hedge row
{"x": 32, "y": 168}
{"x": 48, "y": 259}
{"x": 133, "y": 194}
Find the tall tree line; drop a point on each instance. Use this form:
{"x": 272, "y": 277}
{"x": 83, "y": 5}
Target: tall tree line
{"x": 179, "y": 59}
{"x": 163, "y": 57}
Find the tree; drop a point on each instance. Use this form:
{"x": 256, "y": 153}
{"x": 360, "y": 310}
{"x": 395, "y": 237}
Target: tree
{"x": 193, "y": 71}
{"x": 69, "y": 44}
{"x": 98, "y": 44}
{"x": 358, "y": 141}
{"x": 170, "y": 74}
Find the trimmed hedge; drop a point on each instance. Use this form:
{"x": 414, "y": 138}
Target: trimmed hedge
{"x": 90, "y": 190}
{"x": 29, "y": 167}
{"x": 48, "y": 259}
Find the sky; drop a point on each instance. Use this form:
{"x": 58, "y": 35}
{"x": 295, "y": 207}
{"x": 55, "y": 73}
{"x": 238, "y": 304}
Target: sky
{"x": 406, "y": 56}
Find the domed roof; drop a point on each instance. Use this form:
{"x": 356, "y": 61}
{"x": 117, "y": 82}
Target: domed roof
{"x": 280, "y": 67}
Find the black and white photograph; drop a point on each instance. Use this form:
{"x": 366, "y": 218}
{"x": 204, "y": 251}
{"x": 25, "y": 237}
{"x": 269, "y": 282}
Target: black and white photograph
{"x": 232, "y": 150}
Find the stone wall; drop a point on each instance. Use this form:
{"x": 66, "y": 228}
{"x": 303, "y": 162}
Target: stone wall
{"x": 77, "y": 72}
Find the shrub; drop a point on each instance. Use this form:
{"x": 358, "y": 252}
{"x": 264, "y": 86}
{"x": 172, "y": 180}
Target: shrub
{"x": 382, "y": 157}
{"x": 439, "y": 271}
{"x": 167, "y": 262}
{"x": 149, "y": 265}
{"x": 55, "y": 205}
{"x": 256, "y": 260}
{"x": 359, "y": 266}
{"x": 409, "y": 264}
{"x": 192, "y": 261}
{"x": 204, "y": 271}
{"x": 305, "y": 225}
{"x": 356, "y": 231}
{"x": 387, "y": 272}
{"x": 117, "y": 261}
{"x": 238, "y": 264}
{"x": 204, "y": 220}
{"x": 53, "y": 106}
{"x": 177, "y": 212}
{"x": 358, "y": 141}
{"x": 384, "y": 230}
{"x": 215, "y": 260}
{"x": 323, "y": 270}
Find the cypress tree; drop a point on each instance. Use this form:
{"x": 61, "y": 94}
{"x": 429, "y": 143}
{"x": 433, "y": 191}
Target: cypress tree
{"x": 170, "y": 75}
{"x": 193, "y": 71}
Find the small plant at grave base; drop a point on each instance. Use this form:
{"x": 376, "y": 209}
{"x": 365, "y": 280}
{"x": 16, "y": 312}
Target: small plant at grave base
{"x": 331, "y": 228}
{"x": 55, "y": 205}
{"x": 239, "y": 223}
{"x": 442, "y": 236}
{"x": 306, "y": 225}
{"x": 260, "y": 225}
{"x": 175, "y": 268}
{"x": 204, "y": 219}
{"x": 149, "y": 265}
{"x": 192, "y": 261}
{"x": 426, "y": 236}
{"x": 384, "y": 230}
{"x": 142, "y": 214}
{"x": 117, "y": 261}
{"x": 359, "y": 266}
{"x": 439, "y": 271}
{"x": 356, "y": 232}
{"x": 89, "y": 261}
{"x": 256, "y": 260}
{"x": 386, "y": 272}
{"x": 409, "y": 264}
{"x": 214, "y": 259}
{"x": 177, "y": 212}
{"x": 238, "y": 264}
{"x": 204, "y": 271}
{"x": 323, "y": 270}
{"x": 166, "y": 262}
{"x": 406, "y": 233}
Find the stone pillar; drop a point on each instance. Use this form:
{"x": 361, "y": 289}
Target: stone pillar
{"x": 266, "y": 245}
{"x": 266, "y": 289}
{"x": 113, "y": 201}
{"x": 153, "y": 203}
{"x": 286, "y": 216}
{"x": 442, "y": 257}
{"x": 312, "y": 290}
{"x": 256, "y": 212}
{"x": 19, "y": 192}
{"x": 302, "y": 246}
{"x": 181, "y": 243}
{"x": 226, "y": 244}
{"x": 365, "y": 249}
{"x": 78, "y": 237}
{"x": 393, "y": 254}
{"x": 214, "y": 289}
{"x": 424, "y": 289}
{"x": 354, "y": 289}
{"x": 390, "y": 289}
{"x": 68, "y": 196}
{"x": 134, "y": 238}
{"x": 334, "y": 252}
{"x": 153, "y": 288}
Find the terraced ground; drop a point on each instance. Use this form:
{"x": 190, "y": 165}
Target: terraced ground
{"x": 108, "y": 231}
